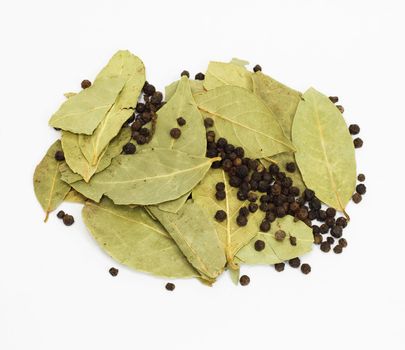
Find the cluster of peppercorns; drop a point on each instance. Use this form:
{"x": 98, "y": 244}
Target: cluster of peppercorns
{"x": 145, "y": 114}
{"x": 67, "y": 219}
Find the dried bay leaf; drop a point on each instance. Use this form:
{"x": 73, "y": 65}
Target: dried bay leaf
{"x": 69, "y": 94}
{"x": 125, "y": 65}
{"x": 196, "y": 237}
{"x": 83, "y": 112}
{"x": 134, "y": 239}
{"x": 196, "y": 86}
{"x": 275, "y": 251}
{"x": 49, "y": 189}
{"x": 220, "y": 74}
{"x": 149, "y": 177}
{"x": 244, "y": 120}
{"x": 325, "y": 151}
{"x": 232, "y": 236}
{"x": 113, "y": 150}
{"x": 75, "y": 197}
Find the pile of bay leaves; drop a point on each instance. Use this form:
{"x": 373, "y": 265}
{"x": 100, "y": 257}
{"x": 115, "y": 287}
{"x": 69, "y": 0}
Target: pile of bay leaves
{"x": 154, "y": 210}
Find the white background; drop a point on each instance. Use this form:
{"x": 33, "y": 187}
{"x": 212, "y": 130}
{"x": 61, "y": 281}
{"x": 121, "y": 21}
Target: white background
{"x": 55, "y": 290}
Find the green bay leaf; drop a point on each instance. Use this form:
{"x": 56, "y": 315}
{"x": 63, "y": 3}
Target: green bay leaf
{"x": 325, "y": 151}
{"x": 83, "y": 112}
{"x": 49, "y": 189}
{"x": 196, "y": 237}
{"x": 134, "y": 239}
{"x": 148, "y": 177}
{"x": 244, "y": 120}
{"x": 221, "y": 74}
{"x": 275, "y": 251}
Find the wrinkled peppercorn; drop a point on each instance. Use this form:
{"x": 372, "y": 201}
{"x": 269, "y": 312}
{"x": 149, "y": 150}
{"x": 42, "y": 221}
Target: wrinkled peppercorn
{"x": 220, "y": 186}
{"x": 185, "y": 73}
{"x": 210, "y": 136}
{"x": 305, "y": 269}
{"x": 259, "y": 245}
{"x": 60, "y": 214}
{"x": 257, "y": 68}
{"x": 331, "y": 212}
{"x": 59, "y": 156}
{"x": 354, "y": 129}
{"x": 361, "y": 177}
{"x": 336, "y": 231}
{"x": 175, "y": 133}
{"x": 113, "y": 271}
{"x": 279, "y": 267}
{"x": 318, "y": 238}
{"x": 337, "y": 249}
{"x": 136, "y": 125}
{"x": 330, "y": 222}
{"x": 148, "y": 89}
{"x": 241, "y": 220}
{"x": 237, "y": 162}
{"x": 85, "y": 84}
{"x": 211, "y": 153}
{"x": 358, "y": 142}
{"x": 156, "y": 98}
{"x": 316, "y": 229}
{"x": 295, "y": 263}
{"x": 302, "y": 213}
{"x": 290, "y": 167}
{"x": 244, "y": 280}
{"x": 265, "y": 226}
{"x": 340, "y": 108}
{"x": 274, "y": 169}
{"x": 220, "y": 195}
{"x": 309, "y": 195}
{"x": 341, "y": 221}
{"x": 253, "y": 207}
{"x": 324, "y": 228}
{"x": 199, "y": 76}
{"x": 343, "y": 242}
{"x": 361, "y": 189}
{"x": 235, "y": 181}
{"x": 170, "y": 286}
{"x": 244, "y": 211}
{"x": 140, "y": 140}
{"x": 279, "y": 235}
{"x": 357, "y": 198}
{"x": 140, "y": 107}
{"x": 325, "y": 247}
{"x": 68, "y": 220}
{"x": 221, "y": 142}
{"x": 334, "y": 99}
{"x": 330, "y": 240}
{"x": 129, "y": 148}
{"x": 220, "y": 215}
{"x": 181, "y": 121}
{"x": 293, "y": 240}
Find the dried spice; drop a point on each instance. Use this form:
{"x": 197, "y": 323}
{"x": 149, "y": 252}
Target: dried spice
{"x": 244, "y": 280}
{"x": 170, "y": 286}
{"x": 113, "y": 271}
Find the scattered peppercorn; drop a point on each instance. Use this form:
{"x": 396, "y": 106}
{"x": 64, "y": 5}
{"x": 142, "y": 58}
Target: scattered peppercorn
{"x": 357, "y": 198}
{"x": 185, "y": 73}
{"x": 318, "y": 238}
{"x": 257, "y": 68}
{"x": 60, "y": 214}
{"x": 279, "y": 267}
{"x": 358, "y": 142}
{"x": 279, "y": 235}
{"x": 241, "y": 220}
{"x": 156, "y": 98}
{"x": 244, "y": 280}
{"x": 274, "y": 169}
{"x": 354, "y": 129}
{"x": 331, "y": 212}
{"x": 305, "y": 269}
{"x": 59, "y": 156}
{"x": 295, "y": 263}
{"x": 85, "y": 84}
{"x": 293, "y": 240}
{"x": 341, "y": 221}
{"x": 265, "y": 226}
{"x": 361, "y": 188}
{"x": 148, "y": 89}
{"x": 330, "y": 240}
{"x": 290, "y": 167}
{"x": 338, "y": 249}
{"x": 330, "y": 222}
{"x": 68, "y": 220}
{"x": 199, "y": 76}
{"x": 253, "y": 207}
{"x": 175, "y": 133}
{"x": 210, "y": 136}
{"x": 361, "y": 177}
{"x": 244, "y": 211}
{"x": 129, "y": 148}
{"x": 170, "y": 286}
{"x": 220, "y": 195}
{"x": 334, "y": 99}
{"x": 113, "y": 271}
{"x": 181, "y": 121}
{"x": 140, "y": 107}
{"x": 325, "y": 247}
{"x": 260, "y": 245}
{"x": 220, "y": 186}
{"x": 336, "y": 231}
{"x": 340, "y": 108}
{"x": 324, "y": 228}
{"x": 220, "y": 215}
{"x": 343, "y": 242}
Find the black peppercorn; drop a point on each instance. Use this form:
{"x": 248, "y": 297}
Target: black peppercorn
{"x": 257, "y": 68}
{"x": 334, "y": 99}
{"x": 265, "y": 226}
{"x": 280, "y": 235}
{"x": 148, "y": 89}
{"x": 60, "y": 214}
{"x": 113, "y": 271}
{"x": 312, "y": 214}
{"x": 244, "y": 280}
{"x": 221, "y": 142}
{"x": 68, "y": 220}
{"x": 259, "y": 245}
{"x": 330, "y": 240}
{"x": 302, "y": 213}
{"x": 185, "y": 73}
{"x": 338, "y": 249}
{"x": 220, "y": 195}
{"x": 220, "y": 215}
{"x": 199, "y": 76}
{"x": 324, "y": 228}
{"x": 264, "y": 206}
{"x": 317, "y": 238}
{"x": 361, "y": 177}
{"x": 244, "y": 211}
{"x": 330, "y": 222}
{"x": 340, "y": 108}
{"x": 242, "y": 171}
{"x": 129, "y": 148}
{"x": 354, "y": 129}
{"x": 343, "y": 243}
{"x": 140, "y": 107}
{"x": 279, "y": 267}
{"x": 290, "y": 167}
{"x": 309, "y": 194}
{"x": 270, "y": 216}
{"x": 321, "y": 215}
{"x": 59, "y": 156}
{"x": 240, "y": 152}
{"x": 181, "y": 121}
{"x": 294, "y": 207}
{"x": 341, "y": 221}
{"x": 295, "y": 191}
{"x": 140, "y": 139}
{"x": 293, "y": 240}
{"x": 210, "y": 136}
{"x": 336, "y": 231}
{"x": 361, "y": 189}
{"x": 235, "y": 181}
{"x": 281, "y": 212}
{"x": 274, "y": 169}
{"x": 211, "y": 153}
{"x": 241, "y": 220}
{"x": 252, "y": 197}
{"x": 136, "y": 125}
{"x": 227, "y": 165}
{"x": 358, "y": 142}
{"x": 85, "y": 84}
{"x": 315, "y": 204}
{"x": 295, "y": 263}
{"x": 170, "y": 287}
{"x": 253, "y": 207}
{"x": 316, "y": 229}
{"x": 237, "y": 162}
{"x": 331, "y": 212}
{"x": 146, "y": 117}
{"x": 305, "y": 269}
{"x": 175, "y": 133}
{"x": 325, "y": 247}
{"x": 357, "y": 198}
{"x": 156, "y": 98}
{"x": 220, "y": 186}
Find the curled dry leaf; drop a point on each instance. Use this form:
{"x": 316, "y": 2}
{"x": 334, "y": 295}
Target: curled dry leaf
{"x": 325, "y": 151}
{"x": 131, "y": 237}
{"x": 49, "y": 189}
{"x": 275, "y": 251}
